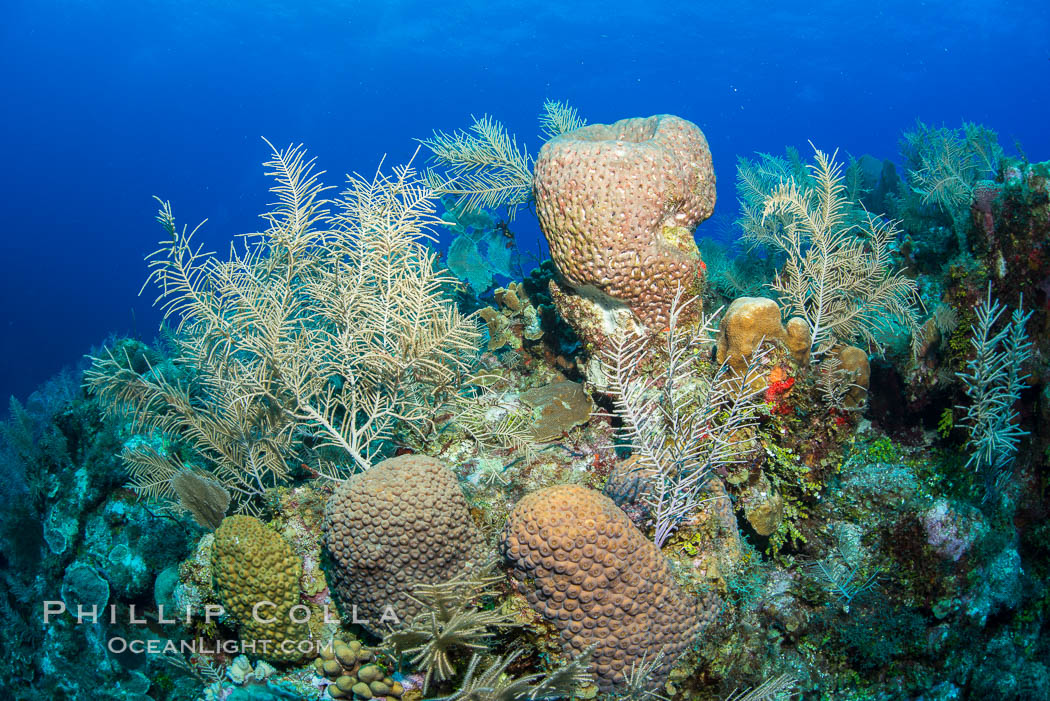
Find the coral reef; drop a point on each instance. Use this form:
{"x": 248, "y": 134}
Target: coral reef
{"x": 726, "y": 501}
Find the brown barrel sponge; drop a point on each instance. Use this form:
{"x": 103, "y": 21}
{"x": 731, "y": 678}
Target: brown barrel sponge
{"x": 618, "y": 204}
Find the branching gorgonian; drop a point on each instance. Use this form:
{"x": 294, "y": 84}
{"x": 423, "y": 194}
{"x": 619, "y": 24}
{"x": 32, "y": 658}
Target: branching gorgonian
{"x": 945, "y": 164}
{"x": 325, "y": 334}
{"x": 496, "y": 422}
{"x": 484, "y": 167}
{"x": 780, "y": 688}
{"x": 638, "y": 681}
{"x": 559, "y": 118}
{"x": 838, "y": 275}
{"x": 842, "y": 579}
{"x": 495, "y": 684}
{"x": 835, "y": 383}
{"x": 452, "y": 622}
{"x": 755, "y": 179}
{"x": 993, "y": 381}
{"x": 682, "y": 424}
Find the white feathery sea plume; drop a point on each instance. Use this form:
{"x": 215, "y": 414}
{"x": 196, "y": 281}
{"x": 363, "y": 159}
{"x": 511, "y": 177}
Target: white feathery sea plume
{"x": 681, "y": 424}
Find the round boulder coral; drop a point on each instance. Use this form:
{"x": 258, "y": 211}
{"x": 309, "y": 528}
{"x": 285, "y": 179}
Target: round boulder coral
{"x": 401, "y": 523}
{"x": 584, "y": 566}
{"x": 618, "y": 204}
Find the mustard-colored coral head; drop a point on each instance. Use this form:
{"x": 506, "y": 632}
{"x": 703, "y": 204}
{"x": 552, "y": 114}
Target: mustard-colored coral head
{"x": 255, "y": 566}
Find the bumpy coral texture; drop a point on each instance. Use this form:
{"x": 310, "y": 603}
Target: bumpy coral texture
{"x": 254, "y": 564}
{"x": 751, "y": 320}
{"x": 855, "y": 361}
{"x": 618, "y": 204}
{"x": 403, "y": 522}
{"x": 349, "y": 666}
{"x": 583, "y": 565}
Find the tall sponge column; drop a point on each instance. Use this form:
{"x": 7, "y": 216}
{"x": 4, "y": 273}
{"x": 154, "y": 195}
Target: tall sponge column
{"x": 584, "y": 566}
{"x": 257, "y": 577}
{"x": 618, "y": 204}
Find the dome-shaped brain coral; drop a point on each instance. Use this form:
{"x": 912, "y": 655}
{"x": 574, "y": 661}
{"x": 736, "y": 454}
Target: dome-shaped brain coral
{"x": 583, "y": 565}
{"x": 255, "y": 567}
{"x": 401, "y": 523}
{"x": 618, "y": 204}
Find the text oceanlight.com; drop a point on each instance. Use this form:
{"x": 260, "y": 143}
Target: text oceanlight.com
{"x": 200, "y": 646}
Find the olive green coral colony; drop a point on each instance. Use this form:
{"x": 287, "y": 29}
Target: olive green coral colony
{"x": 255, "y": 564}
{"x": 417, "y": 491}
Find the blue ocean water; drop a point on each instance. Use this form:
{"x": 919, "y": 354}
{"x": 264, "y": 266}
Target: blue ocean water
{"x": 107, "y": 103}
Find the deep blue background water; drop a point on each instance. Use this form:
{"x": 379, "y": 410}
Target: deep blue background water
{"x": 108, "y": 103}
